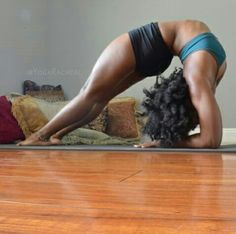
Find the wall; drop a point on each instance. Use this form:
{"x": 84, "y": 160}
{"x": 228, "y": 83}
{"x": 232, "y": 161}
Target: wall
{"x": 23, "y": 25}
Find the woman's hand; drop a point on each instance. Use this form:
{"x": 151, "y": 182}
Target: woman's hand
{"x": 148, "y": 144}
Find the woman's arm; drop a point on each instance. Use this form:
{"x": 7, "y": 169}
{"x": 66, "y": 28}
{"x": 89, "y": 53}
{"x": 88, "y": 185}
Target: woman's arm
{"x": 209, "y": 115}
{"x": 210, "y": 121}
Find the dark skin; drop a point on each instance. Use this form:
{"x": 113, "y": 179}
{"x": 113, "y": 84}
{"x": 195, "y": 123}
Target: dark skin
{"x": 114, "y": 72}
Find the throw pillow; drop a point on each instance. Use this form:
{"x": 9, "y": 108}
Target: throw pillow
{"x": 28, "y": 114}
{"x": 49, "y": 93}
{"x": 122, "y": 121}
{"x": 100, "y": 123}
{"x": 88, "y": 137}
{"x": 10, "y": 131}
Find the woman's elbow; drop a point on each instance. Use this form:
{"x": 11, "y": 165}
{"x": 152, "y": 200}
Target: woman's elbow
{"x": 212, "y": 143}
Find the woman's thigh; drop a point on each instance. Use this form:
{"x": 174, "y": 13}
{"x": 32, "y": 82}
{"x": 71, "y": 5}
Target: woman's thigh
{"x": 116, "y": 63}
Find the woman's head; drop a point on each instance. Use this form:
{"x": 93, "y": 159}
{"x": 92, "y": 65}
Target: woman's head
{"x": 171, "y": 114}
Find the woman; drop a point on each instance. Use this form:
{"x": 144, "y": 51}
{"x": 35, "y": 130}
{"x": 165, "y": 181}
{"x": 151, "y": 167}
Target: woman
{"x": 144, "y": 52}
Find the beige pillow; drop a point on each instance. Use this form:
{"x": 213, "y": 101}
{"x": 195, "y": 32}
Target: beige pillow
{"x": 50, "y": 109}
{"x": 28, "y": 114}
{"x": 88, "y": 137}
{"x": 122, "y": 121}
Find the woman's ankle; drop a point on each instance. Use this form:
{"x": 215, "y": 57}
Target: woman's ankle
{"x": 42, "y": 136}
{"x": 58, "y": 135}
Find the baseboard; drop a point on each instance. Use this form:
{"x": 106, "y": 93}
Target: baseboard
{"x": 229, "y": 135}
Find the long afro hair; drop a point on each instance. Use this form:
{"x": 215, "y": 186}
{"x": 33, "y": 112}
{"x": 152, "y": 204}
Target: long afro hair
{"x": 171, "y": 114}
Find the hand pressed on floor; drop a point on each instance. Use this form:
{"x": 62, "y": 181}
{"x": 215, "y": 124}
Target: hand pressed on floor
{"x": 148, "y": 144}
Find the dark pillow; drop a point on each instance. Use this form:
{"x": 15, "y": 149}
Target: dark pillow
{"x": 10, "y": 131}
{"x": 49, "y": 93}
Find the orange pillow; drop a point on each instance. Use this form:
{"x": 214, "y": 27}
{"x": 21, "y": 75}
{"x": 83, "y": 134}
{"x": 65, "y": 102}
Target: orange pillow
{"x": 122, "y": 121}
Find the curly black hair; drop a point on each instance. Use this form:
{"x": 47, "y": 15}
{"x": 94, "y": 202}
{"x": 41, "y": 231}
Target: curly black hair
{"x": 168, "y": 106}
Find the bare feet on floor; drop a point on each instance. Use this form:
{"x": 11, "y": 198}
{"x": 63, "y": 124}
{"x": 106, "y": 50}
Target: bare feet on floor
{"x": 34, "y": 140}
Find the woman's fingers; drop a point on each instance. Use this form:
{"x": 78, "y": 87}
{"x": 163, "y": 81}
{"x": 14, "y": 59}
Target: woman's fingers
{"x": 148, "y": 144}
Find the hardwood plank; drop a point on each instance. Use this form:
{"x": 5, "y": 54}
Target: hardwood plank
{"x": 117, "y": 192}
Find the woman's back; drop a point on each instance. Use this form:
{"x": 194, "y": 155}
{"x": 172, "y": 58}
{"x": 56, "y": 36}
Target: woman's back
{"x": 177, "y": 33}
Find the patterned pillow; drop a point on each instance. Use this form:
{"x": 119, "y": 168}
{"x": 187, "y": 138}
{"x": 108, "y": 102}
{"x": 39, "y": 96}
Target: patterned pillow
{"x": 49, "y": 93}
{"x": 100, "y": 123}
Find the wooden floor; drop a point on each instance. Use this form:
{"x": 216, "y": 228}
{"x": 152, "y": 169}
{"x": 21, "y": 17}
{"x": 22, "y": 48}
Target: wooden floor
{"x": 117, "y": 192}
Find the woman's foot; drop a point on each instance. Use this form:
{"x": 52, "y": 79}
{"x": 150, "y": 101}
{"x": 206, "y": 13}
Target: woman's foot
{"x": 36, "y": 140}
